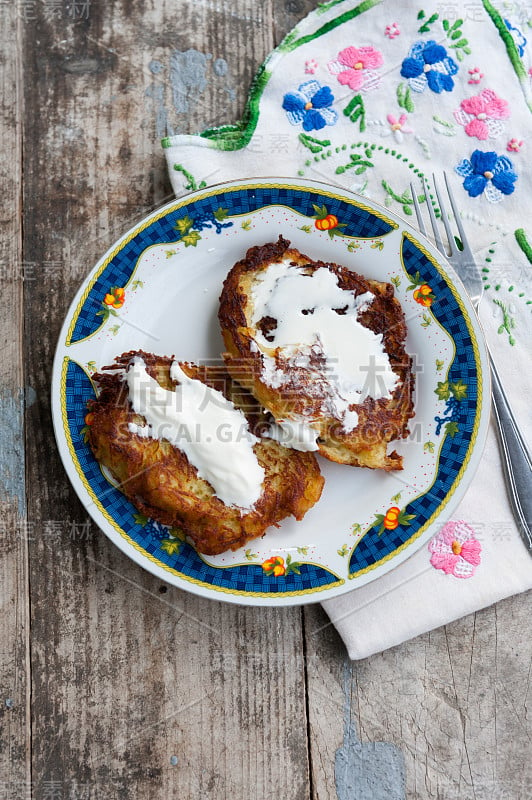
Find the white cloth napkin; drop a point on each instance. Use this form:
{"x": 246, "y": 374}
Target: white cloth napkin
{"x": 412, "y": 92}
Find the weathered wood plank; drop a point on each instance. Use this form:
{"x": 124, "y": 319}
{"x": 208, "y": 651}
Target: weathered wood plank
{"x": 139, "y": 690}
{"x": 450, "y": 708}
{"x": 14, "y": 530}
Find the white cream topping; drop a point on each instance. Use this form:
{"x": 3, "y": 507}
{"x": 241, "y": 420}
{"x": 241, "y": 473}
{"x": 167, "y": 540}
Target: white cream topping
{"x": 294, "y": 433}
{"x": 306, "y": 308}
{"x": 203, "y": 424}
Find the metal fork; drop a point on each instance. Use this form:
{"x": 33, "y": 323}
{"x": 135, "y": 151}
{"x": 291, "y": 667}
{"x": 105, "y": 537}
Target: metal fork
{"x": 515, "y": 457}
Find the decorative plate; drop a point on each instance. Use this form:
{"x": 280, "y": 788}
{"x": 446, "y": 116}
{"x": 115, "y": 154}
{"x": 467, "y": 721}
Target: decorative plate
{"x": 157, "y": 289}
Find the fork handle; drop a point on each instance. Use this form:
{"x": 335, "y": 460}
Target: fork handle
{"x": 516, "y": 460}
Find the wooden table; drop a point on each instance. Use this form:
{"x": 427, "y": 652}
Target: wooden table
{"x": 112, "y": 684}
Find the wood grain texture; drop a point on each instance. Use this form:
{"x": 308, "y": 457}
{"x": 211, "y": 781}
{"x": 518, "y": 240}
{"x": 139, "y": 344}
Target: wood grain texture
{"x": 453, "y": 702}
{"x": 139, "y": 690}
{"x": 14, "y": 531}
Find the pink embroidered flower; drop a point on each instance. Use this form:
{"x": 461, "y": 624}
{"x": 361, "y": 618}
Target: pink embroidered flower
{"x": 311, "y": 66}
{"x": 397, "y": 127}
{"x": 481, "y": 114}
{"x": 456, "y": 550}
{"x": 476, "y": 75}
{"x": 355, "y": 67}
{"x": 514, "y": 145}
{"x": 391, "y": 31}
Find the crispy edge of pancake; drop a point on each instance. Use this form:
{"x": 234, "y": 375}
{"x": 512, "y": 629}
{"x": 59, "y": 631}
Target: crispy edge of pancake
{"x": 160, "y": 481}
{"x": 380, "y": 421}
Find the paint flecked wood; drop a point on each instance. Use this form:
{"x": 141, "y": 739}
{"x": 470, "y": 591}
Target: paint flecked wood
{"x": 14, "y": 531}
{"x": 139, "y": 689}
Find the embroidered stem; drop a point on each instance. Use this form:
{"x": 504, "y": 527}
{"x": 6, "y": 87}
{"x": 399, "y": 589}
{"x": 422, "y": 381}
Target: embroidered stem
{"x": 192, "y": 186}
{"x": 355, "y": 111}
{"x": 314, "y": 145}
{"x": 520, "y": 238}
{"x": 290, "y": 43}
{"x": 426, "y": 25}
{"x": 508, "y": 322}
{"x": 511, "y": 49}
{"x": 404, "y": 99}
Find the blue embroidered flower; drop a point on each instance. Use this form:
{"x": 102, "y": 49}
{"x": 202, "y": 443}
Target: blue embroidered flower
{"x": 429, "y": 65}
{"x": 518, "y": 37}
{"x": 487, "y": 172}
{"x": 311, "y": 106}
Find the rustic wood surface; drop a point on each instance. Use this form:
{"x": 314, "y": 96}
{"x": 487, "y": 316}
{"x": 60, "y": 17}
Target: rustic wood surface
{"x": 112, "y": 684}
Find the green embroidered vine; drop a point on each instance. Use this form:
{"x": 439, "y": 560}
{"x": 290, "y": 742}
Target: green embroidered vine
{"x": 404, "y": 98}
{"x": 404, "y": 199}
{"x": 522, "y": 241}
{"x": 456, "y": 37}
{"x": 447, "y": 128}
{"x": 426, "y": 25}
{"x": 290, "y": 42}
{"x": 314, "y": 145}
{"x": 323, "y": 7}
{"x": 356, "y": 112}
{"x": 508, "y": 322}
{"x": 511, "y": 49}
{"x": 357, "y": 163}
{"x": 192, "y": 186}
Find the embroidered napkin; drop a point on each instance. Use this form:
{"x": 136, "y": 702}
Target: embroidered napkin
{"x": 371, "y": 96}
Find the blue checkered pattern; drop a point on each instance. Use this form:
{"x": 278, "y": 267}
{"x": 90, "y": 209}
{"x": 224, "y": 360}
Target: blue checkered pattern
{"x": 246, "y": 578}
{"x": 374, "y": 547}
{"x": 238, "y": 201}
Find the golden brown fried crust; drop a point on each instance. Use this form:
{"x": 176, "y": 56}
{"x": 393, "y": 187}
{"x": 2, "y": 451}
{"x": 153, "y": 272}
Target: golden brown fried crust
{"x": 160, "y": 481}
{"x": 380, "y": 421}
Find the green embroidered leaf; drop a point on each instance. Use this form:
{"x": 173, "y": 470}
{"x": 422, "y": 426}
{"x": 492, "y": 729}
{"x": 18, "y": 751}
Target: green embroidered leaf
{"x": 445, "y": 23}
{"x": 184, "y": 224}
{"x": 355, "y": 110}
{"x": 459, "y": 390}
{"x": 442, "y": 390}
{"x": 451, "y": 428}
{"x": 457, "y": 24}
{"x": 312, "y": 144}
{"x": 407, "y": 210}
{"x": 421, "y": 14}
{"x": 459, "y": 55}
{"x": 455, "y": 35}
{"x": 191, "y": 239}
